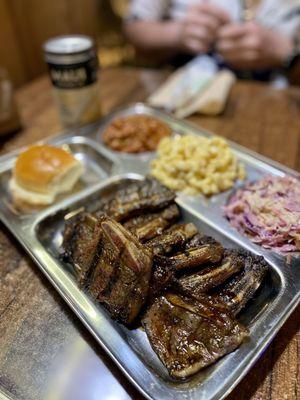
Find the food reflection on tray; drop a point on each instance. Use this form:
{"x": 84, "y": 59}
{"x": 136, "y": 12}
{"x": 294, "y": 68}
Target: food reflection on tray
{"x": 135, "y": 256}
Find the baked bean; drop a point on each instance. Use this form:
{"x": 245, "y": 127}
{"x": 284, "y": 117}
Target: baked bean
{"x": 135, "y": 134}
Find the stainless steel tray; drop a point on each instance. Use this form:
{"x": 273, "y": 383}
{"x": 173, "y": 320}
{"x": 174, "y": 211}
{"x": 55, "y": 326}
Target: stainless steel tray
{"x": 40, "y": 232}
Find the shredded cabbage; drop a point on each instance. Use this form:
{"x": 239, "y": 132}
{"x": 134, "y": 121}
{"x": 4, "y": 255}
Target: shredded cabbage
{"x": 268, "y": 211}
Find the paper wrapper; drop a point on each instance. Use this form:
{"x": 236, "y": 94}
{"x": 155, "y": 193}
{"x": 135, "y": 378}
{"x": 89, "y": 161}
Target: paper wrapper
{"x": 210, "y": 98}
{"x": 185, "y": 84}
{"x": 162, "y": 97}
{"x": 213, "y": 99}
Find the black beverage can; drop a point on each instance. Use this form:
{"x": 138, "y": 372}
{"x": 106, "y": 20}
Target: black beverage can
{"x": 73, "y": 69}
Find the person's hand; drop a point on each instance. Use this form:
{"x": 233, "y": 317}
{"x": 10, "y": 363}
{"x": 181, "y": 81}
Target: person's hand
{"x": 252, "y": 46}
{"x": 198, "y": 30}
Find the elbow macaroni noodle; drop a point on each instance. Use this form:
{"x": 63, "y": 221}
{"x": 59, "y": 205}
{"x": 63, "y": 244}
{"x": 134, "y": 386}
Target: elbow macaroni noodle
{"x": 196, "y": 165}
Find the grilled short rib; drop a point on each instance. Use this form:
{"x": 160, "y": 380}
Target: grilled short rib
{"x": 206, "y": 253}
{"x": 199, "y": 240}
{"x": 191, "y": 330}
{"x": 163, "y": 277}
{"x": 121, "y": 276}
{"x": 213, "y": 275}
{"x": 156, "y": 223}
{"x": 228, "y": 285}
{"x": 138, "y": 198}
{"x": 188, "y": 335}
{"x": 172, "y": 239}
{"x": 82, "y": 237}
{"x": 238, "y": 290}
{"x": 191, "y": 286}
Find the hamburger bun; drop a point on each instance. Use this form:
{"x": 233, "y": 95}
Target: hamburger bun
{"x": 42, "y": 172}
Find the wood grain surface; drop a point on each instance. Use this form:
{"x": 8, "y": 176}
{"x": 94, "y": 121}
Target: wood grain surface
{"x": 39, "y": 335}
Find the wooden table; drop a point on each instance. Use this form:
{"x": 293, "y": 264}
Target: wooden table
{"x": 45, "y": 352}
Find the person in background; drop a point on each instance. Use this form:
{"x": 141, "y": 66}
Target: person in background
{"x": 253, "y": 35}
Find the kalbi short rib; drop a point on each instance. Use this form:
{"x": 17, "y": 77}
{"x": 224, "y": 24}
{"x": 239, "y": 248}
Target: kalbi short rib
{"x": 194, "y": 257}
{"x": 188, "y": 335}
{"x": 173, "y": 239}
{"x": 128, "y": 267}
{"x": 228, "y": 286}
{"x": 141, "y": 197}
{"x": 81, "y": 243}
{"x": 236, "y": 293}
{"x": 212, "y": 276}
{"x": 154, "y": 227}
{"x": 122, "y": 274}
{"x": 163, "y": 277}
{"x": 199, "y": 240}
{"x": 170, "y": 213}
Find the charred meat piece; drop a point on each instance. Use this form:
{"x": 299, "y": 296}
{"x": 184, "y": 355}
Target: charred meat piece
{"x": 154, "y": 227}
{"x": 122, "y": 274}
{"x": 170, "y": 213}
{"x": 199, "y": 240}
{"x": 213, "y": 275}
{"x": 197, "y": 256}
{"x": 140, "y": 220}
{"x": 140, "y": 197}
{"x": 151, "y": 229}
{"x": 82, "y": 237}
{"x": 163, "y": 277}
{"x": 236, "y": 293}
{"x": 173, "y": 239}
{"x": 188, "y": 335}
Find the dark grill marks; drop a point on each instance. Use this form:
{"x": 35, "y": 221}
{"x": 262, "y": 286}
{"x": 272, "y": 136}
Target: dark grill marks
{"x": 156, "y": 225}
{"x": 173, "y": 239}
{"x": 188, "y": 285}
{"x": 139, "y": 198}
{"x": 114, "y": 276}
{"x": 122, "y": 275}
{"x": 236, "y": 293}
{"x": 163, "y": 277}
{"x": 82, "y": 240}
{"x": 207, "y": 253}
{"x": 136, "y": 222}
{"x": 189, "y": 335}
{"x": 214, "y": 275}
{"x": 199, "y": 240}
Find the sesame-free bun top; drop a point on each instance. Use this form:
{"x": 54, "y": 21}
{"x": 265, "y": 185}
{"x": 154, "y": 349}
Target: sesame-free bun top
{"x": 41, "y": 173}
{"x": 40, "y": 165}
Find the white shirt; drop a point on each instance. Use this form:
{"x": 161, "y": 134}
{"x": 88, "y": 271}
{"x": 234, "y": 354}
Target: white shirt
{"x": 283, "y": 15}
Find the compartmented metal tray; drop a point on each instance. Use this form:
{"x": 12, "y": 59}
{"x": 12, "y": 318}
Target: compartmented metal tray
{"x": 40, "y": 232}
{"x": 98, "y": 165}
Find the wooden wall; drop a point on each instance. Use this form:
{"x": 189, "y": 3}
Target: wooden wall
{"x": 26, "y": 24}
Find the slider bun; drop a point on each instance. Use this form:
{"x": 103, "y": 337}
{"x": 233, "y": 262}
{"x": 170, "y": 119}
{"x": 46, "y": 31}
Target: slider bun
{"x": 42, "y": 172}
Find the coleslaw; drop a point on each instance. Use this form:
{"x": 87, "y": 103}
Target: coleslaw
{"x": 268, "y": 212}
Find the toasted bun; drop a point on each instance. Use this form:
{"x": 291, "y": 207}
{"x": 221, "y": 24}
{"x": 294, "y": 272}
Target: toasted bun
{"x": 42, "y": 172}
